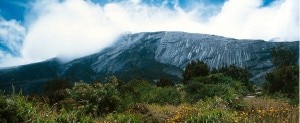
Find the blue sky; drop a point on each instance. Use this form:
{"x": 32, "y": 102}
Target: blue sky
{"x": 36, "y": 30}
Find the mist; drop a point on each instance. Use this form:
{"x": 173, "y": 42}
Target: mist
{"x": 74, "y": 28}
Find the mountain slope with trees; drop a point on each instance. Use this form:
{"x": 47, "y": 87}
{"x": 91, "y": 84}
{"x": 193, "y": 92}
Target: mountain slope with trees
{"x": 152, "y": 56}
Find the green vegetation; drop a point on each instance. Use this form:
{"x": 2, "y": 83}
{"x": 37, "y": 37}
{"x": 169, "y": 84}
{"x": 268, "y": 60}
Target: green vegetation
{"x": 195, "y": 69}
{"x": 205, "y": 96}
{"x": 284, "y": 79}
{"x": 165, "y": 82}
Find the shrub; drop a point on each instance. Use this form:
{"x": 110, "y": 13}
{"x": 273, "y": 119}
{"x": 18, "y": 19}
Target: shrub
{"x": 283, "y": 57}
{"x": 162, "y": 96}
{"x": 96, "y": 99}
{"x": 138, "y": 108}
{"x": 68, "y": 104}
{"x": 283, "y": 79}
{"x": 123, "y": 118}
{"x": 165, "y": 82}
{"x": 236, "y": 73}
{"x": 15, "y": 108}
{"x": 132, "y": 91}
{"x": 212, "y": 116}
{"x": 73, "y": 116}
{"x": 55, "y": 89}
{"x": 196, "y": 91}
{"x": 213, "y": 85}
{"x": 7, "y": 112}
{"x": 195, "y": 69}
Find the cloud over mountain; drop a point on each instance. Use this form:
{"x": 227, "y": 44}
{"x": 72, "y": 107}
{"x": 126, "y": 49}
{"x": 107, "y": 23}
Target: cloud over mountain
{"x": 73, "y": 28}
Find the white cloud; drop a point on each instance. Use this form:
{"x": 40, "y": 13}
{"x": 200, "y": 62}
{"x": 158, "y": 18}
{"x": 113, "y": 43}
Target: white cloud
{"x": 75, "y": 28}
{"x": 246, "y": 19}
{"x": 11, "y": 36}
{"x": 69, "y": 29}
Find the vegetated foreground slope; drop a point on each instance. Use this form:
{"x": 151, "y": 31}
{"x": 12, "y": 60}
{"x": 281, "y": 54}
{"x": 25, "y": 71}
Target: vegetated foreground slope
{"x": 152, "y": 55}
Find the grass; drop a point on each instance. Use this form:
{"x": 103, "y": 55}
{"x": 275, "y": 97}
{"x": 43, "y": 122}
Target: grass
{"x": 19, "y": 109}
{"x": 257, "y": 110}
{"x": 89, "y": 103}
{"x": 266, "y": 109}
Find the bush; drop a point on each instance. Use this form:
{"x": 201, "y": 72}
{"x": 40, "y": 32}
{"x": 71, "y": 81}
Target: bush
{"x": 123, "y": 118}
{"x": 132, "y": 91}
{"x": 55, "y": 89}
{"x": 165, "y": 82}
{"x": 138, "y": 108}
{"x": 140, "y": 91}
{"x": 212, "y": 116}
{"x": 162, "y": 96}
{"x": 213, "y": 85}
{"x": 196, "y": 91}
{"x": 284, "y": 80}
{"x": 283, "y": 57}
{"x": 15, "y": 108}
{"x": 195, "y": 69}
{"x": 285, "y": 77}
{"x": 96, "y": 99}
{"x": 7, "y": 112}
{"x": 236, "y": 73}
{"x": 73, "y": 116}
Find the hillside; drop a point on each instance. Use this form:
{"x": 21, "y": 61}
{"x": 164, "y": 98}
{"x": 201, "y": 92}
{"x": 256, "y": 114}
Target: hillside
{"x": 152, "y": 55}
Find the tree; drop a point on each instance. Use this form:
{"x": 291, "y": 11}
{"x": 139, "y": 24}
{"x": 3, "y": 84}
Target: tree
{"x": 165, "y": 82}
{"x": 236, "y": 73}
{"x": 283, "y": 57}
{"x": 195, "y": 69}
{"x": 55, "y": 89}
{"x": 285, "y": 77}
{"x": 213, "y": 85}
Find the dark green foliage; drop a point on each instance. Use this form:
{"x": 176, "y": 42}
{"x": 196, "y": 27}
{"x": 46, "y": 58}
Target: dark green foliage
{"x": 140, "y": 91}
{"x": 165, "y": 82}
{"x": 28, "y": 78}
{"x": 283, "y": 57}
{"x": 133, "y": 91}
{"x": 213, "y": 85}
{"x": 7, "y": 112}
{"x": 124, "y": 118}
{"x": 33, "y": 71}
{"x": 55, "y": 89}
{"x": 284, "y": 79}
{"x": 97, "y": 98}
{"x": 80, "y": 71}
{"x": 162, "y": 96}
{"x": 195, "y": 69}
{"x": 196, "y": 91}
{"x": 15, "y": 109}
{"x": 234, "y": 72}
{"x": 200, "y": 84}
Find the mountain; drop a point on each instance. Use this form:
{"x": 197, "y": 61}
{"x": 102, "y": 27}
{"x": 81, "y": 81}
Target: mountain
{"x": 152, "y": 55}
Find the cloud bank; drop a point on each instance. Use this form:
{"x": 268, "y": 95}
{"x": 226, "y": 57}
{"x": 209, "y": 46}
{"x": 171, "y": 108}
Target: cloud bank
{"x": 11, "y": 35}
{"x": 73, "y": 28}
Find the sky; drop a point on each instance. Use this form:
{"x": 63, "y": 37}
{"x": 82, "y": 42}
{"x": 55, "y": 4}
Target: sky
{"x": 37, "y": 30}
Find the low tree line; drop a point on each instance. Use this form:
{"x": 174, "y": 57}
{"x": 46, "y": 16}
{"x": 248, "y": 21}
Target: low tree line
{"x": 63, "y": 101}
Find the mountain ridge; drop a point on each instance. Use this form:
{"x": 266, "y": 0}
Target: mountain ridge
{"x": 152, "y": 55}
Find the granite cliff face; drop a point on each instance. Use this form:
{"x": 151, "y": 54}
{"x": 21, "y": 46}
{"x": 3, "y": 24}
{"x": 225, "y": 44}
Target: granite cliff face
{"x": 176, "y": 49}
{"x": 156, "y": 54}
